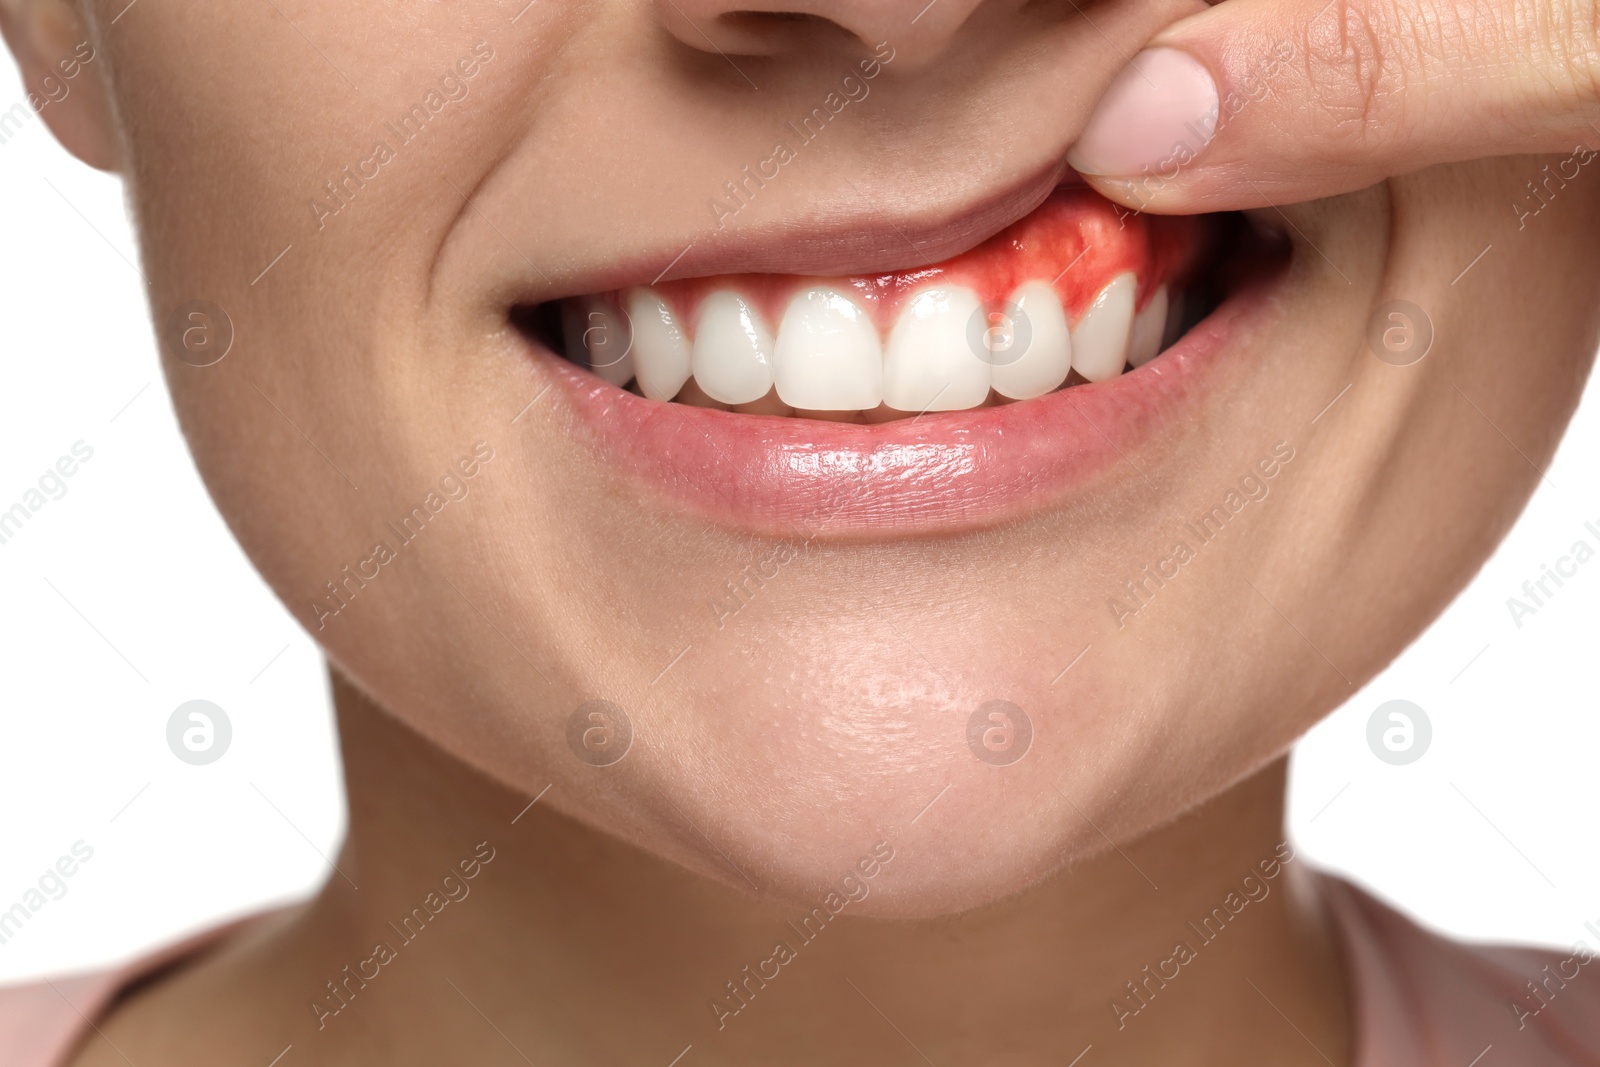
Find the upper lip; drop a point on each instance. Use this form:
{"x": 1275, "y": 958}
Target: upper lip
{"x": 869, "y": 237}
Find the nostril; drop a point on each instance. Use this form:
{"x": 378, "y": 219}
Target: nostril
{"x": 779, "y": 22}
{"x": 752, "y": 32}
{"x": 756, "y": 19}
{"x": 918, "y": 29}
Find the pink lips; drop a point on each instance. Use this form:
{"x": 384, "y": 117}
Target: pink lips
{"x": 935, "y": 473}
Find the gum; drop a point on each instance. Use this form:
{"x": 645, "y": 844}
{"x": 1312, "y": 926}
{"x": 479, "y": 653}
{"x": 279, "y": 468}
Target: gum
{"x": 1076, "y": 240}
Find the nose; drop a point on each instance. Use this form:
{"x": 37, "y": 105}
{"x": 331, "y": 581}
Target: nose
{"x": 919, "y": 31}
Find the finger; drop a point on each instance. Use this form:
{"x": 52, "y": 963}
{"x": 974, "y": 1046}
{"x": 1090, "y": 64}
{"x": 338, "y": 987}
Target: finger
{"x": 1257, "y": 102}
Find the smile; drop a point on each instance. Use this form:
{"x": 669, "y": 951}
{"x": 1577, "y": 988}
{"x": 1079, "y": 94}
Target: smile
{"x": 932, "y": 397}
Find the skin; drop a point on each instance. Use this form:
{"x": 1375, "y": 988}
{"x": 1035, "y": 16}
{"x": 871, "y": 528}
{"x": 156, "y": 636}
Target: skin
{"x": 830, "y": 713}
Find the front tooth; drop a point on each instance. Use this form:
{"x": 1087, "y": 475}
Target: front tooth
{"x": 1100, "y": 338}
{"x": 1043, "y": 364}
{"x": 827, "y": 356}
{"x": 660, "y": 351}
{"x": 929, "y": 363}
{"x": 732, "y": 356}
{"x": 1144, "y": 340}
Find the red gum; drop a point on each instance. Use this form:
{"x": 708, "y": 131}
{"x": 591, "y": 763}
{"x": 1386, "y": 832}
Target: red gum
{"x": 1075, "y": 237}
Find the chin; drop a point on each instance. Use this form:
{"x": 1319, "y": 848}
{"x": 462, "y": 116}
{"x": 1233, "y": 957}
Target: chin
{"x": 793, "y": 785}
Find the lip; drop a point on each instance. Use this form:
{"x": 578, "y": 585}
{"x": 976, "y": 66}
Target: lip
{"x": 937, "y": 473}
{"x": 845, "y": 240}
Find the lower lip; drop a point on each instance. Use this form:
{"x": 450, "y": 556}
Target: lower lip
{"x": 935, "y": 473}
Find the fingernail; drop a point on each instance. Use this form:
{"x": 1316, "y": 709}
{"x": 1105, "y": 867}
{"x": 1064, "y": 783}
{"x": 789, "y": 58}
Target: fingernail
{"x": 1159, "y": 112}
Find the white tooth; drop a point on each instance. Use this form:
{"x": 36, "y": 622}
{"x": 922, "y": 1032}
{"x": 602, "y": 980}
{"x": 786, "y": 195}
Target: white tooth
{"x": 827, "y": 357}
{"x": 929, "y": 363}
{"x": 1043, "y": 364}
{"x": 1100, "y": 338}
{"x": 732, "y": 356}
{"x": 1144, "y": 340}
{"x": 660, "y": 351}
{"x": 599, "y": 336}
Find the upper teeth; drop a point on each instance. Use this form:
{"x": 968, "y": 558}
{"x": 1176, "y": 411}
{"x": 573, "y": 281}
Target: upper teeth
{"x": 1149, "y": 327}
{"x": 660, "y": 350}
{"x": 1100, "y": 338}
{"x": 827, "y": 356}
{"x": 732, "y": 357}
{"x": 945, "y": 351}
{"x": 929, "y": 363}
{"x": 1038, "y": 363}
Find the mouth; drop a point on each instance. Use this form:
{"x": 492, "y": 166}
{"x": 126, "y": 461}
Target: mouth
{"x": 926, "y": 399}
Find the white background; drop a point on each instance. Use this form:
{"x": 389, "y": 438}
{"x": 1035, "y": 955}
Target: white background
{"x": 128, "y": 596}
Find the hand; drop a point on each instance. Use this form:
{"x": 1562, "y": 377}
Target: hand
{"x": 1266, "y": 102}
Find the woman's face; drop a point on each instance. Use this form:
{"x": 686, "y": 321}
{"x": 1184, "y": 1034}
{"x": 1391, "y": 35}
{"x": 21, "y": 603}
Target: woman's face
{"x": 1167, "y": 575}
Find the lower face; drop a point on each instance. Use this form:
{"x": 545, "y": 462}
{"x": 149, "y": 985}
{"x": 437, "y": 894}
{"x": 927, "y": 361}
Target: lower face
{"x": 811, "y": 488}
